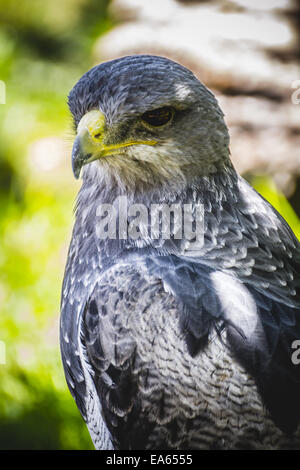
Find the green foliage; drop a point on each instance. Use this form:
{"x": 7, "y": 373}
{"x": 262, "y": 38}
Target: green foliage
{"x": 266, "y": 187}
{"x": 44, "y": 48}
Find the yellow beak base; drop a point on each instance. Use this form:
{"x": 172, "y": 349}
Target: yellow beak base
{"x": 88, "y": 145}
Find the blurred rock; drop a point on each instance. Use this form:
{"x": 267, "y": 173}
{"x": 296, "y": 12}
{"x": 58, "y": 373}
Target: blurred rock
{"x": 246, "y": 51}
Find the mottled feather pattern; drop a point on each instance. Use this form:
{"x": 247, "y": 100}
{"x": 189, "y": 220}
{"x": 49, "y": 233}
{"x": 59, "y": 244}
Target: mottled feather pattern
{"x": 154, "y": 393}
{"x": 121, "y": 322}
{"x": 172, "y": 344}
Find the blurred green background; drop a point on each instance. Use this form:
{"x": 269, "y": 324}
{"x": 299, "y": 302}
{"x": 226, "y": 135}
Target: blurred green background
{"x": 44, "y": 48}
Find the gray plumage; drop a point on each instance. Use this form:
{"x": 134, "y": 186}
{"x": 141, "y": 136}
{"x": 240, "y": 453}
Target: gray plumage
{"x": 166, "y": 345}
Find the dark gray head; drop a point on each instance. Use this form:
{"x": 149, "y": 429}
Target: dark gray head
{"x": 146, "y": 120}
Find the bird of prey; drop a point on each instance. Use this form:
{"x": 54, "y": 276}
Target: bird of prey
{"x": 174, "y": 342}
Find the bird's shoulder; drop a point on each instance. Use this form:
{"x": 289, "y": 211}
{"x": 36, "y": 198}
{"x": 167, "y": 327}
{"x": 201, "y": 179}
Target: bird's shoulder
{"x": 140, "y": 341}
{"x": 133, "y": 300}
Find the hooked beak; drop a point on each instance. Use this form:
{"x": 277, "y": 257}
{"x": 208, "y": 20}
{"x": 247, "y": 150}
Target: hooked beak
{"x": 79, "y": 157}
{"x": 89, "y": 142}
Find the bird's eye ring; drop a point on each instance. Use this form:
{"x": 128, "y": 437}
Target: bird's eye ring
{"x": 158, "y": 117}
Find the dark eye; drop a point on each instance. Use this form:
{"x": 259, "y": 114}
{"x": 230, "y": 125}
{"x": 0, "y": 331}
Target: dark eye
{"x": 158, "y": 117}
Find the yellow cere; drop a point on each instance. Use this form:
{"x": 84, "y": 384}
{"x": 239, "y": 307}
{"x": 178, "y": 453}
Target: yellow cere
{"x": 93, "y": 122}
{"x": 91, "y": 130}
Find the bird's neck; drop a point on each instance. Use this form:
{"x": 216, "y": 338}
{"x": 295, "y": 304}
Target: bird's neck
{"x": 241, "y": 232}
{"x": 151, "y": 219}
